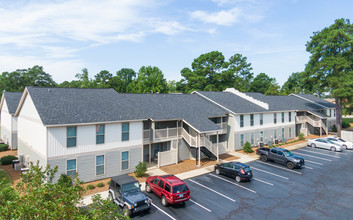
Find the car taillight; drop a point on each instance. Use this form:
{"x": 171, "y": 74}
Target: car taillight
{"x": 242, "y": 171}
{"x": 257, "y": 150}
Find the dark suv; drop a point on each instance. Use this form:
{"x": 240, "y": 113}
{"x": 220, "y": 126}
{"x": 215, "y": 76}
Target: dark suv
{"x": 280, "y": 155}
{"x": 239, "y": 171}
{"x": 169, "y": 188}
{"x": 125, "y": 191}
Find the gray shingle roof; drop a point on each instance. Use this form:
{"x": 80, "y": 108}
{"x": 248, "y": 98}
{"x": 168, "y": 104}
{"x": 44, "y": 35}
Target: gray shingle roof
{"x": 73, "y": 106}
{"x": 316, "y": 100}
{"x": 12, "y": 99}
{"x": 233, "y": 102}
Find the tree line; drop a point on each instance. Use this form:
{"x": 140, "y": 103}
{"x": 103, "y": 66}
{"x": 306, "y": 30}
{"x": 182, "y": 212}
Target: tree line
{"x": 328, "y": 71}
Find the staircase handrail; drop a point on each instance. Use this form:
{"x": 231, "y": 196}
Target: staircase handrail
{"x": 209, "y": 145}
{"x": 188, "y": 138}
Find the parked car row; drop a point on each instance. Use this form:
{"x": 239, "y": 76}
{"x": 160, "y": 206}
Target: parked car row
{"x": 330, "y": 143}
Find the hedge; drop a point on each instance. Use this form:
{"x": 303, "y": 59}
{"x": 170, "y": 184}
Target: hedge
{"x": 7, "y": 159}
{"x": 4, "y": 147}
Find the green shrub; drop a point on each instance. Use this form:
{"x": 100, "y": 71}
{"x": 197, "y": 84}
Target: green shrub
{"x": 108, "y": 182}
{"x": 4, "y": 147}
{"x": 65, "y": 180}
{"x": 334, "y": 128}
{"x": 247, "y": 148}
{"x": 90, "y": 187}
{"x": 301, "y": 136}
{"x": 100, "y": 185}
{"x": 141, "y": 169}
{"x": 345, "y": 124}
{"x": 7, "y": 159}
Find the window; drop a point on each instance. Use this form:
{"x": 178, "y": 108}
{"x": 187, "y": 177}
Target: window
{"x": 99, "y": 165}
{"x": 125, "y": 160}
{"x": 274, "y": 151}
{"x": 161, "y": 184}
{"x": 252, "y": 120}
{"x": 125, "y": 132}
{"x": 167, "y": 187}
{"x": 99, "y": 134}
{"x": 290, "y": 132}
{"x": 261, "y": 136}
{"x": 261, "y": 119}
{"x": 334, "y": 113}
{"x": 275, "y": 118}
{"x": 155, "y": 181}
{"x": 71, "y": 136}
{"x": 329, "y": 112}
{"x": 282, "y": 134}
{"x": 241, "y": 140}
{"x": 252, "y": 139}
{"x": 71, "y": 167}
{"x": 241, "y": 121}
{"x": 282, "y": 117}
{"x": 280, "y": 153}
{"x": 289, "y": 116}
{"x": 275, "y": 134}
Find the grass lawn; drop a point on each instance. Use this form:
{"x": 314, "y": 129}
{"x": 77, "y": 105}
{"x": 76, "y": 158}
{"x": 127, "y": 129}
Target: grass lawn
{"x": 4, "y": 175}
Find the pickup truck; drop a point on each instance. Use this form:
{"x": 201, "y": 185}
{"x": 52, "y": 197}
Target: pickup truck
{"x": 280, "y": 155}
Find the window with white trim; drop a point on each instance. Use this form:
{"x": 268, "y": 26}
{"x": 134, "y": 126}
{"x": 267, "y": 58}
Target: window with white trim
{"x": 241, "y": 121}
{"x": 242, "y": 140}
{"x": 71, "y": 167}
{"x": 100, "y": 130}
{"x": 261, "y": 119}
{"x": 275, "y": 134}
{"x": 100, "y": 165}
{"x": 282, "y": 134}
{"x": 289, "y": 116}
{"x": 252, "y": 120}
{"x": 261, "y": 136}
{"x": 274, "y": 118}
{"x": 282, "y": 117}
{"x": 290, "y": 132}
{"x": 252, "y": 139}
{"x": 124, "y": 160}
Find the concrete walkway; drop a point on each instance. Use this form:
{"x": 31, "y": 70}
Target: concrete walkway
{"x": 243, "y": 158}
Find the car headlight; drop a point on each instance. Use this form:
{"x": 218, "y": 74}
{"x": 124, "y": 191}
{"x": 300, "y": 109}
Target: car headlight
{"x": 296, "y": 160}
{"x": 135, "y": 204}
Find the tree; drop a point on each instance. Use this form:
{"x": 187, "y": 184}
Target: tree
{"x": 123, "y": 78}
{"x": 273, "y": 89}
{"x": 17, "y": 80}
{"x": 294, "y": 84}
{"x": 172, "y": 86}
{"x": 331, "y": 62}
{"x": 261, "y": 83}
{"x": 102, "y": 79}
{"x": 83, "y": 79}
{"x": 239, "y": 72}
{"x": 38, "y": 196}
{"x": 149, "y": 80}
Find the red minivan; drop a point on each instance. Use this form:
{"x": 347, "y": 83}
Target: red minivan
{"x": 169, "y": 188}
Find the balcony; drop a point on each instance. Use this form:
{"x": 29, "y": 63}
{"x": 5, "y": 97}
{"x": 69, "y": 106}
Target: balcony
{"x": 160, "y": 135}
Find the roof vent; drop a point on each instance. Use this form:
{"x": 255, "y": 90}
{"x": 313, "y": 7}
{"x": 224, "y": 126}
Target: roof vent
{"x": 249, "y": 98}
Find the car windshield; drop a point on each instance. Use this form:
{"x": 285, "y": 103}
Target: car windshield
{"x": 130, "y": 186}
{"x": 247, "y": 169}
{"x": 287, "y": 153}
{"x": 180, "y": 188}
{"x": 341, "y": 140}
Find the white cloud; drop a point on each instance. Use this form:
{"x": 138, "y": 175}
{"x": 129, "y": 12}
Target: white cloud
{"x": 168, "y": 27}
{"x": 224, "y": 17}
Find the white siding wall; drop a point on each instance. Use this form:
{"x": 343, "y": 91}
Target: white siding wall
{"x": 31, "y": 132}
{"x": 5, "y": 124}
{"x": 267, "y": 121}
{"x": 86, "y": 139}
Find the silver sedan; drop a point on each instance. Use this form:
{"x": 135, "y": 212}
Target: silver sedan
{"x": 324, "y": 143}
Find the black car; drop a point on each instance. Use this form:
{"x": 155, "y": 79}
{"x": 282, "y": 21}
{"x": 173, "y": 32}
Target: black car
{"x": 239, "y": 171}
{"x": 125, "y": 191}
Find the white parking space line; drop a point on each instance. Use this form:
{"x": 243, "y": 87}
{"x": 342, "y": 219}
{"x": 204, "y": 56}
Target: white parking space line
{"x": 200, "y": 205}
{"x": 309, "y": 161}
{"x": 311, "y": 151}
{"x": 163, "y": 212}
{"x": 309, "y": 167}
{"x": 263, "y": 181}
{"x": 293, "y": 171}
{"x": 313, "y": 156}
{"x": 212, "y": 190}
{"x": 233, "y": 183}
{"x": 270, "y": 173}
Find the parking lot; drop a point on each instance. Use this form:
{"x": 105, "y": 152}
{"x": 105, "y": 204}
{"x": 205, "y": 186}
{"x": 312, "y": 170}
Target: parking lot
{"x": 321, "y": 190}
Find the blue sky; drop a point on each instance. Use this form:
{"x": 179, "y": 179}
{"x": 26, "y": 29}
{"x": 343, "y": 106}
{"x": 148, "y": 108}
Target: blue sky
{"x": 66, "y": 36}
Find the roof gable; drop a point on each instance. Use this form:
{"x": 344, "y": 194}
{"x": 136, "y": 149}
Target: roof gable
{"x": 12, "y": 100}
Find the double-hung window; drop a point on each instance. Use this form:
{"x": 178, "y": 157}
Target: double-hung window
{"x": 282, "y": 134}
{"x": 241, "y": 121}
{"x": 100, "y": 134}
{"x": 261, "y": 136}
{"x": 100, "y": 165}
{"x": 252, "y": 120}
{"x": 290, "y": 132}
{"x": 124, "y": 160}
{"x": 261, "y": 119}
{"x": 242, "y": 140}
{"x": 289, "y": 116}
{"x": 252, "y": 139}
{"x": 274, "y": 118}
{"x": 282, "y": 117}
{"x": 125, "y": 131}
{"x": 275, "y": 134}
{"x": 71, "y": 167}
{"x": 71, "y": 136}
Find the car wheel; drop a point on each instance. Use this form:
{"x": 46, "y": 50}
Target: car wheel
{"x": 333, "y": 149}
{"x": 313, "y": 145}
{"x": 148, "y": 188}
{"x": 344, "y": 147}
{"x": 290, "y": 165}
{"x": 127, "y": 211}
{"x": 217, "y": 171}
{"x": 238, "y": 179}
{"x": 263, "y": 158}
{"x": 164, "y": 201}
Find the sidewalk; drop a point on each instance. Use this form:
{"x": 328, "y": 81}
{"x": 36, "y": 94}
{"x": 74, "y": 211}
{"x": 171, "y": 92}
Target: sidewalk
{"x": 243, "y": 158}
